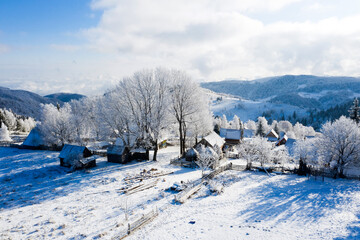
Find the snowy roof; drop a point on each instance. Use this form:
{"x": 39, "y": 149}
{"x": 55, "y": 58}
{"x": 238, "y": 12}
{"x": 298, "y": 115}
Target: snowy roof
{"x": 214, "y": 139}
{"x": 114, "y": 149}
{"x": 272, "y": 134}
{"x": 234, "y": 134}
{"x": 284, "y": 138}
{"x": 70, "y": 150}
{"x": 34, "y": 139}
{"x": 248, "y": 133}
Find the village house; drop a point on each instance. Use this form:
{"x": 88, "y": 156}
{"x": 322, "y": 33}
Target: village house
{"x": 118, "y": 154}
{"x": 282, "y": 140}
{"x": 272, "y": 136}
{"x": 232, "y": 136}
{"x": 211, "y": 140}
{"x": 77, "y": 157}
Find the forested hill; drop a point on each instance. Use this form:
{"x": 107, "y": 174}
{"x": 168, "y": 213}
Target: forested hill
{"x": 26, "y": 103}
{"x": 65, "y": 97}
{"x": 305, "y": 91}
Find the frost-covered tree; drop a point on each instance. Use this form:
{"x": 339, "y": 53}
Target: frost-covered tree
{"x": 257, "y": 149}
{"x": 285, "y": 126}
{"x": 4, "y": 133}
{"x": 305, "y": 151}
{"x": 80, "y": 120}
{"x": 355, "y": 111}
{"x": 236, "y": 123}
{"x": 262, "y": 126}
{"x": 141, "y": 108}
{"x": 339, "y": 144}
{"x": 187, "y": 100}
{"x": 9, "y": 119}
{"x": 300, "y": 131}
{"x": 250, "y": 124}
{"x": 56, "y": 126}
{"x": 280, "y": 155}
{"x": 201, "y": 123}
{"x": 224, "y": 122}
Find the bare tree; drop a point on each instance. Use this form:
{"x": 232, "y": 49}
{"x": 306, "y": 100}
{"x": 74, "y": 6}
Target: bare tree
{"x": 137, "y": 108}
{"x": 186, "y": 102}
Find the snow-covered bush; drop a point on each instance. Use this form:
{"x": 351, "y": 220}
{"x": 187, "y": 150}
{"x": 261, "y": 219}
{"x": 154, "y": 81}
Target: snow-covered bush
{"x": 4, "y": 133}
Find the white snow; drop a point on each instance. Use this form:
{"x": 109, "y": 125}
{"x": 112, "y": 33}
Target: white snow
{"x": 41, "y": 200}
{"x": 247, "y": 109}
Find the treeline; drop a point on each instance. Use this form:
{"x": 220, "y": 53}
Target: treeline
{"x": 15, "y": 122}
{"x": 314, "y": 117}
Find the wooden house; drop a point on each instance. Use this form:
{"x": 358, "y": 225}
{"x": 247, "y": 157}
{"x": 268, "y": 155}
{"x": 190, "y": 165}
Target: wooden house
{"x": 272, "y": 136}
{"x": 231, "y": 136}
{"x": 212, "y": 139}
{"x": 76, "y": 157}
{"x": 118, "y": 154}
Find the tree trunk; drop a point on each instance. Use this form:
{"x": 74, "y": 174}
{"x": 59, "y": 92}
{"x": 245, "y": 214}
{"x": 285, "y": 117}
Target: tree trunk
{"x": 181, "y": 138}
{"x": 147, "y": 154}
{"x": 155, "y": 151}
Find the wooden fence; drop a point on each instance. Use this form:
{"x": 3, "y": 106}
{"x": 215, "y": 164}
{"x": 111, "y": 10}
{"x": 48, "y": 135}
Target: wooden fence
{"x": 137, "y": 224}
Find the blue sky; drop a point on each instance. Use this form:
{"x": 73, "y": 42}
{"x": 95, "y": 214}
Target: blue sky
{"x": 88, "y": 46}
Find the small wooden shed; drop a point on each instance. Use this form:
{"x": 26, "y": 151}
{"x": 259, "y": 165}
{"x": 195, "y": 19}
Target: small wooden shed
{"x": 138, "y": 154}
{"x": 118, "y": 154}
{"x": 76, "y": 157}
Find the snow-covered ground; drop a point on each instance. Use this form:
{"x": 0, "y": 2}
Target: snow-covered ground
{"x": 41, "y": 200}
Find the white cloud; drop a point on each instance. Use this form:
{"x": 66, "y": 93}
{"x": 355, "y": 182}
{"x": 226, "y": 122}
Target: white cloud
{"x": 216, "y": 40}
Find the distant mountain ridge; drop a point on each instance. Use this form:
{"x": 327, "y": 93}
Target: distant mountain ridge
{"x": 306, "y": 91}
{"x": 65, "y": 97}
{"x": 28, "y": 103}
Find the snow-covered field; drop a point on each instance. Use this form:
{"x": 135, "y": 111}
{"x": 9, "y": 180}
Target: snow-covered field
{"x": 41, "y": 200}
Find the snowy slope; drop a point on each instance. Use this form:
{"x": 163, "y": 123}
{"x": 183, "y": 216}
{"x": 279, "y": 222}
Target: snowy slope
{"x": 247, "y": 109}
{"x": 309, "y": 91}
{"x": 41, "y": 200}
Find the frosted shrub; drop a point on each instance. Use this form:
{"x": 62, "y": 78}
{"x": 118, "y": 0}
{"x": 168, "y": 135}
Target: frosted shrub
{"x": 4, "y": 134}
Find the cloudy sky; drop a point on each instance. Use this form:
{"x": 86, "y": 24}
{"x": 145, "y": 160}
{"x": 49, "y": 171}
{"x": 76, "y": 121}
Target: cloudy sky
{"x": 86, "y": 46}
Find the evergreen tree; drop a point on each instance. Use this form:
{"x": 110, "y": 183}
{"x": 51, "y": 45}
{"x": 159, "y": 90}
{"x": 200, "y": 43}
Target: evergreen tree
{"x": 355, "y": 111}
